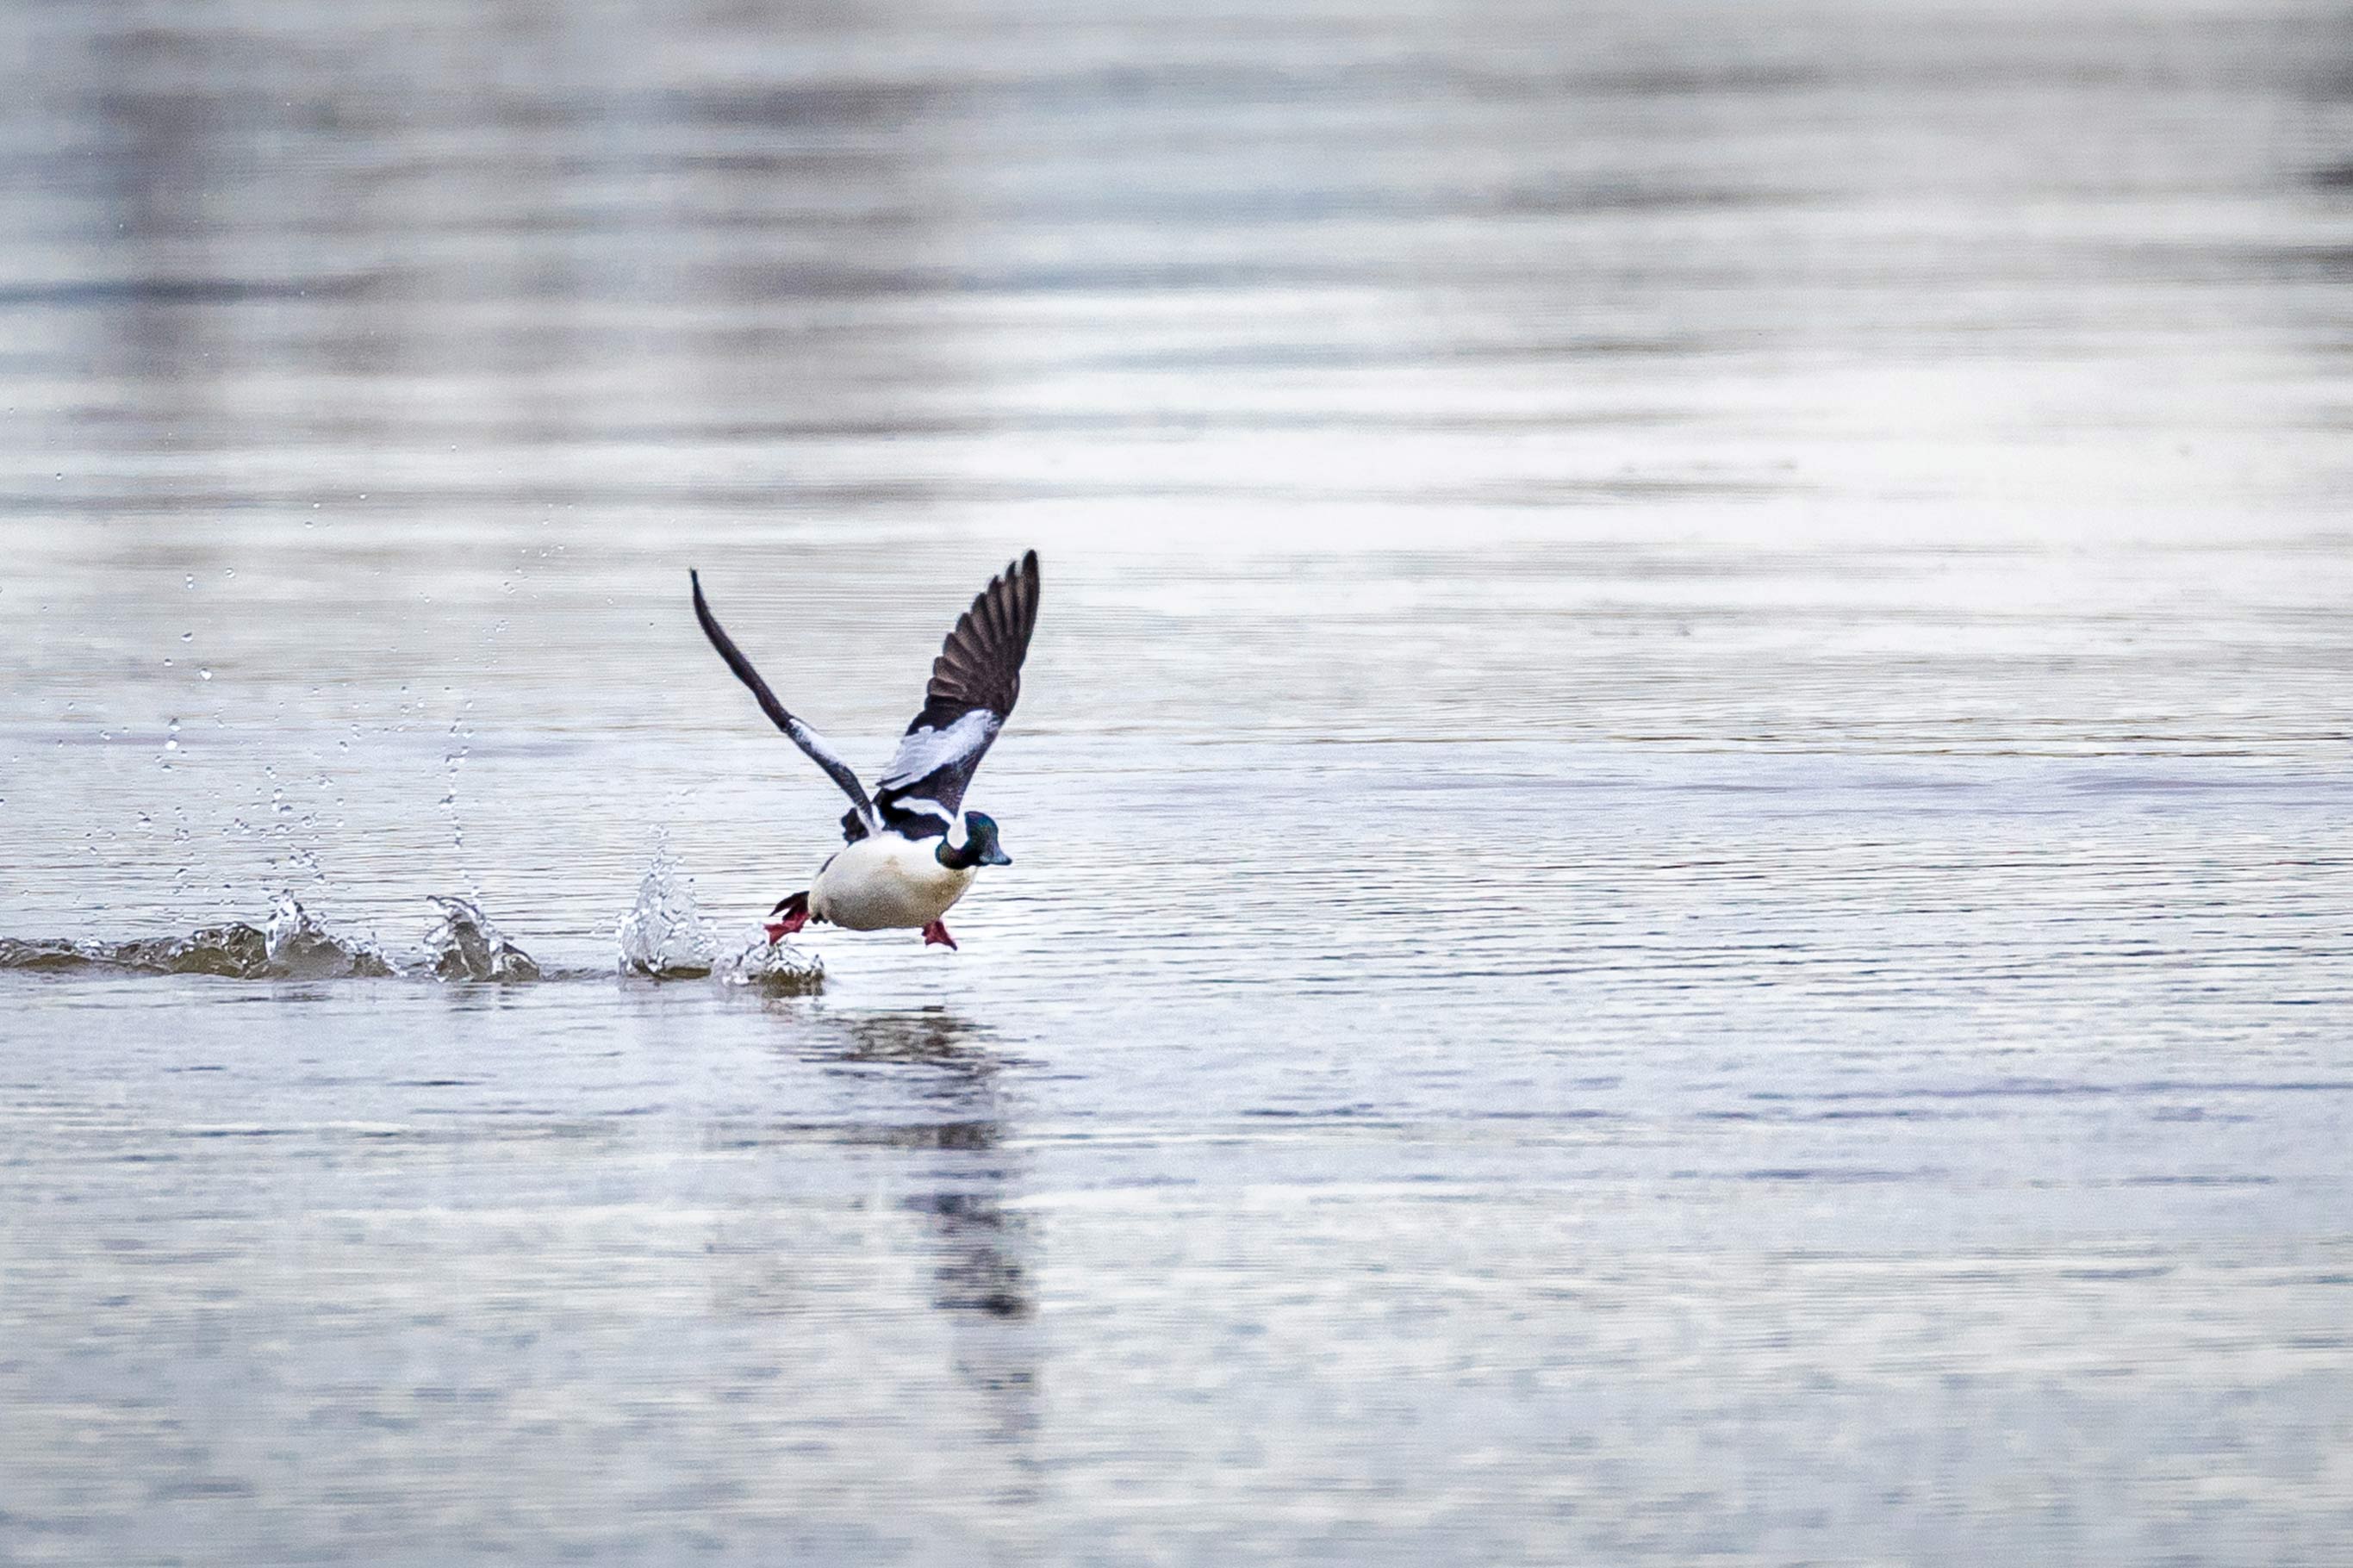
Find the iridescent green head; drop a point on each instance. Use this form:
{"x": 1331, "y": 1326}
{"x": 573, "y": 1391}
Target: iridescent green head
{"x": 981, "y": 846}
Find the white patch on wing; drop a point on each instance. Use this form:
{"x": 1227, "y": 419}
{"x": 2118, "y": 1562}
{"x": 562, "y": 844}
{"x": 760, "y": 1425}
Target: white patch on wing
{"x": 927, "y": 807}
{"x": 840, "y": 772}
{"x": 814, "y": 744}
{"x": 925, "y": 751}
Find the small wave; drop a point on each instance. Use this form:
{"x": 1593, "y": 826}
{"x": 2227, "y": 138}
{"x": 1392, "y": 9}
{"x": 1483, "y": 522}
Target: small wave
{"x": 465, "y": 945}
{"x": 296, "y": 946}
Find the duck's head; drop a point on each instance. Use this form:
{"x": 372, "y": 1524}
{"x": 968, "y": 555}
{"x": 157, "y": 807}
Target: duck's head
{"x": 981, "y": 846}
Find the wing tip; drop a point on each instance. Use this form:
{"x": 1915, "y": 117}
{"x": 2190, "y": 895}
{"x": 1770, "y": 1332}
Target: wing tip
{"x": 1021, "y": 580}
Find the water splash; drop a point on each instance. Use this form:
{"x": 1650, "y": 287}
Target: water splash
{"x": 466, "y": 946}
{"x": 781, "y": 969}
{"x": 663, "y": 936}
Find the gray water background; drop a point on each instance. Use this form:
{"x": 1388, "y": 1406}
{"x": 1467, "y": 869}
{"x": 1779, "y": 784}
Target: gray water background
{"x": 1681, "y": 813}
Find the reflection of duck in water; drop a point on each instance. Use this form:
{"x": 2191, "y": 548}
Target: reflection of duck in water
{"x": 903, "y": 867}
{"x": 960, "y": 1181}
{"x": 915, "y": 1113}
{"x": 981, "y": 1269}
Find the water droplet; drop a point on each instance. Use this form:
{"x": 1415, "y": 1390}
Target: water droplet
{"x": 205, "y": 674}
{"x": 188, "y": 636}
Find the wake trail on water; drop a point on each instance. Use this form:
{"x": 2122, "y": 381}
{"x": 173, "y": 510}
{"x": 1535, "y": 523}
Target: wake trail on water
{"x": 291, "y": 944}
{"x": 663, "y": 937}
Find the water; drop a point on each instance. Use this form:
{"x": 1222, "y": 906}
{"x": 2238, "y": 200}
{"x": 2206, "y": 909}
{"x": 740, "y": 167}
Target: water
{"x": 1682, "y": 887}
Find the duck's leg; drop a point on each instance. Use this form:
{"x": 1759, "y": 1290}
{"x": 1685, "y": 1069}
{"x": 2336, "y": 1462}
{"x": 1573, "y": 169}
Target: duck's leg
{"x": 937, "y": 932}
{"x": 787, "y": 918}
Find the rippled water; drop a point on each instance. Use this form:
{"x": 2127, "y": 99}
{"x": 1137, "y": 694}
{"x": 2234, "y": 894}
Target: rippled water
{"x": 1683, "y": 875}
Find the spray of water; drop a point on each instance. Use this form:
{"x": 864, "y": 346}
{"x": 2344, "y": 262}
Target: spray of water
{"x": 663, "y": 936}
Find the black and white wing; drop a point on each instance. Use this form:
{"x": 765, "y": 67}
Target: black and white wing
{"x": 975, "y": 682}
{"x": 861, "y": 814}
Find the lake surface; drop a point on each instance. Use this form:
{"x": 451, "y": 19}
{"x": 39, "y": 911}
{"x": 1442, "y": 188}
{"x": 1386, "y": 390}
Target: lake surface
{"x": 1683, "y": 878}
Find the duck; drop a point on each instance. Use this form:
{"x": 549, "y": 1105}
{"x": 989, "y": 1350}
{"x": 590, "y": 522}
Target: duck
{"x": 910, "y": 848}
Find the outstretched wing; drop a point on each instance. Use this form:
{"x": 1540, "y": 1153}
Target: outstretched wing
{"x": 807, "y": 739}
{"x": 974, "y": 683}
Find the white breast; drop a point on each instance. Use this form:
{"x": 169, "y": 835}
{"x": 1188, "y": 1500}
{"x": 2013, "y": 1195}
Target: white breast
{"x": 883, "y": 881}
